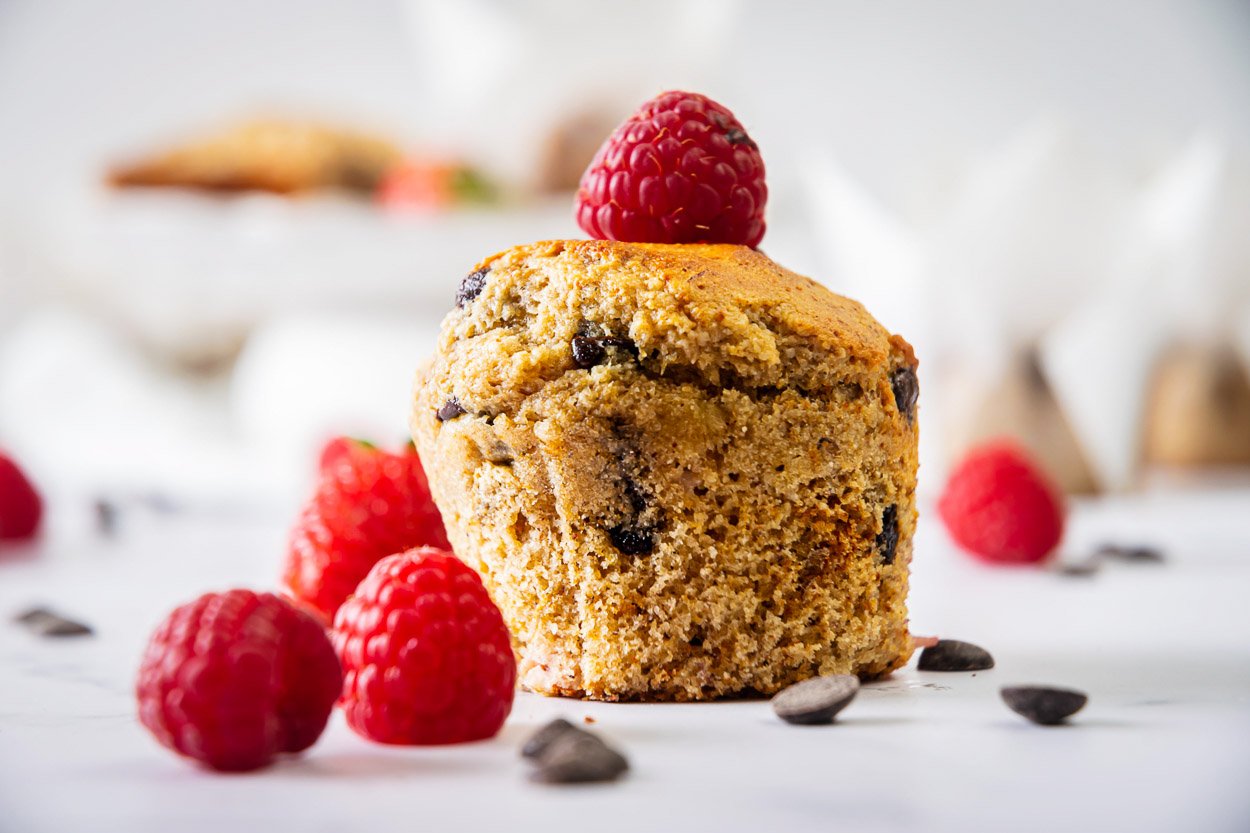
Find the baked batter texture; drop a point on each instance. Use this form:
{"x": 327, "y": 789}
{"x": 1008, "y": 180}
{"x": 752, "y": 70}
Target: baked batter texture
{"x": 683, "y": 471}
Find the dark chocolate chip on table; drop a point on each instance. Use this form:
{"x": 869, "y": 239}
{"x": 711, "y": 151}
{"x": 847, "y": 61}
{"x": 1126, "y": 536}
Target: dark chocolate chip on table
{"x": 953, "y": 655}
{"x": 1045, "y": 705}
{"x": 46, "y": 622}
{"x": 450, "y": 410}
{"x": 542, "y": 739}
{"x": 887, "y": 539}
{"x": 815, "y": 701}
{"x": 105, "y": 516}
{"x": 906, "y": 391}
{"x": 566, "y": 754}
{"x": 1138, "y": 553}
{"x": 471, "y": 286}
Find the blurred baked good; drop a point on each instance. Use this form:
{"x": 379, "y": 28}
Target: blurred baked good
{"x": 281, "y": 157}
{"x": 1199, "y": 409}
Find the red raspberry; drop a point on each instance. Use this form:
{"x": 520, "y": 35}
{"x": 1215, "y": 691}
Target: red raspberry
{"x": 20, "y": 506}
{"x": 680, "y": 170}
{"x": 369, "y": 504}
{"x": 1000, "y": 506}
{"x": 426, "y": 656}
{"x": 233, "y": 679}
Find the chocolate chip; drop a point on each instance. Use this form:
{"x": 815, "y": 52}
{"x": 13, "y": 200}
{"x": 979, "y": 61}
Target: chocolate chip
{"x": 953, "y": 655}
{"x": 471, "y": 286}
{"x": 543, "y": 738}
{"x": 1138, "y": 553}
{"x": 575, "y": 756}
{"x": 45, "y": 622}
{"x": 887, "y": 538}
{"x": 450, "y": 409}
{"x": 632, "y": 541}
{"x": 592, "y": 345}
{"x": 906, "y": 391}
{"x": 1087, "y": 567}
{"x": 817, "y": 700}
{"x": 587, "y": 352}
{"x": 499, "y": 453}
{"x": 1043, "y": 704}
{"x": 105, "y": 516}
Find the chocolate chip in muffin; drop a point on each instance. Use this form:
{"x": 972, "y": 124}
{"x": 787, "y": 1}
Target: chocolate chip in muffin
{"x": 632, "y": 541}
{"x": 817, "y": 700}
{"x": 471, "y": 286}
{"x": 450, "y": 409}
{"x": 587, "y": 351}
{"x": 953, "y": 655}
{"x": 45, "y": 622}
{"x": 1044, "y": 705}
{"x": 887, "y": 538}
{"x": 592, "y": 345}
{"x": 906, "y": 391}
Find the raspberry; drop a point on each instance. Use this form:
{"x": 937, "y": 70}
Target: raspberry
{"x": 680, "y": 170}
{"x": 233, "y": 679}
{"x": 20, "y": 506}
{"x": 1000, "y": 506}
{"x": 426, "y": 656}
{"x": 369, "y": 504}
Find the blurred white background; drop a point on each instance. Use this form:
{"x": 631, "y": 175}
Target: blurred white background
{"x": 121, "y": 314}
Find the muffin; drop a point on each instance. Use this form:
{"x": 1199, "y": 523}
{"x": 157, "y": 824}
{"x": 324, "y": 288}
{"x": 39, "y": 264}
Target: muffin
{"x": 683, "y": 471}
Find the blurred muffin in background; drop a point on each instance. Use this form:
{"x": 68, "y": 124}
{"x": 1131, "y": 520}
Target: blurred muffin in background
{"x": 273, "y": 155}
{"x": 1199, "y": 409}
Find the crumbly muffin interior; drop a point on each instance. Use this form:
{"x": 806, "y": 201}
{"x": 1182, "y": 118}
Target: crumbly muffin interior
{"x": 683, "y": 471}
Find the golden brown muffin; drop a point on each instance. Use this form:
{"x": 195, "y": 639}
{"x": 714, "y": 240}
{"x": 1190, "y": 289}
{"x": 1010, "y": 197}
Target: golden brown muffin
{"x": 277, "y": 156}
{"x": 683, "y": 471}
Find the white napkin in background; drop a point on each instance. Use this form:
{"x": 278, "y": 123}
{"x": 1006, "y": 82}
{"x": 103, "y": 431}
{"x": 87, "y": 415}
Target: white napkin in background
{"x": 88, "y": 411}
{"x": 1044, "y": 245}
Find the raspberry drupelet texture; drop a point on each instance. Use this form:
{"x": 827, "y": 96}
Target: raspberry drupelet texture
{"x": 21, "y": 508}
{"x": 680, "y": 170}
{"x": 426, "y": 656}
{"x": 369, "y": 504}
{"x": 1000, "y": 506}
{"x": 233, "y": 679}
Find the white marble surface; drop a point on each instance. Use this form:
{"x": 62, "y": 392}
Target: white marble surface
{"x": 1164, "y": 652}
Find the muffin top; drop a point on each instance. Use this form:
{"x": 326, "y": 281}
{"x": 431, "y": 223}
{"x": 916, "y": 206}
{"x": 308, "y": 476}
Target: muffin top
{"x": 709, "y": 315}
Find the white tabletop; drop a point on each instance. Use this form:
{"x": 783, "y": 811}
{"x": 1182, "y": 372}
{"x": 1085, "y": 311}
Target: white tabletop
{"x": 1163, "y": 651}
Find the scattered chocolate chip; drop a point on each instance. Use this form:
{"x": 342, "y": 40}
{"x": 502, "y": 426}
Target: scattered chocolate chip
{"x": 566, "y": 754}
{"x": 817, "y": 700}
{"x": 587, "y": 351}
{"x": 105, "y": 516}
{"x": 471, "y": 286}
{"x": 887, "y": 538}
{"x": 953, "y": 655}
{"x": 540, "y": 740}
{"x": 450, "y": 410}
{"x": 631, "y": 541}
{"x": 906, "y": 391}
{"x": 1139, "y": 554}
{"x": 587, "y": 719}
{"x": 1042, "y": 704}
{"x": 45, "y": 622}
{"x": 1087, "y": 567}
